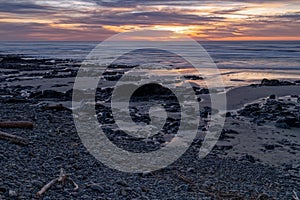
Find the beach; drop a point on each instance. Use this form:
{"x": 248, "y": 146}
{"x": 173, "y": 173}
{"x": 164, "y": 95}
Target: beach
{"x": 256, "y": 157}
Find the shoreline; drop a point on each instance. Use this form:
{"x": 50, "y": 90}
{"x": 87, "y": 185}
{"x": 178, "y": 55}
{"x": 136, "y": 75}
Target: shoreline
{"x": 252, "y": 151}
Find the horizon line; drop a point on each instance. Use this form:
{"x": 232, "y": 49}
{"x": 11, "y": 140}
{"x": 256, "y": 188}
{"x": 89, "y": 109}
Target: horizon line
{"x": 149, "y": 41}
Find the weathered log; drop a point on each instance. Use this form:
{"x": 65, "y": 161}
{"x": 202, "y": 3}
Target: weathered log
{"x": 16, "y": 124}
{"x": 13, "y": 138}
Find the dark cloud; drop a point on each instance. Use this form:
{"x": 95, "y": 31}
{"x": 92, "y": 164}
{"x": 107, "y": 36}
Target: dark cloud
{"x": 132, "y": 3}
{"x": 229, "y": 11}
{"x": 36, "y": 31}
{"x": 22, "y": 7}
{"x": 90, "y": 22}
{"x": 143, "y": 18}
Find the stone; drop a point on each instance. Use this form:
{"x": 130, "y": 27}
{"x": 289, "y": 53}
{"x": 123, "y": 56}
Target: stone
{"x": 248, "y": 158}
{"x": 97, "y": 188}
{"x": 269, "y": 146}
{"x": 272, "y": 96}
{"x": 272, "y": 82}
{"x": 282, "y": 124}
{"x": 47, "y": 94}
{"x": 12, "y": 193}
{"x": 193, "y": 77}
{"x": 228, "y": 114}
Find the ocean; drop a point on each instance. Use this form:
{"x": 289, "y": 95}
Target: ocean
{"x": 240, "y": 63}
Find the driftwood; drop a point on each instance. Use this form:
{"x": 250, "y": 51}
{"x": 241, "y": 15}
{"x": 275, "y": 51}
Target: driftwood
{"x": 13, "y": 138}
{"x": 295, "y": 196}
{"x": 58, "y": 107}
{"x": 16, "y": 124}
{"x": 62, "y": 179}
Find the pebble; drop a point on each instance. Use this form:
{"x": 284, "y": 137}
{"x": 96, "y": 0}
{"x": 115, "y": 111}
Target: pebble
{"x": 12, "y": 193}
{"x": 97, "y": 188}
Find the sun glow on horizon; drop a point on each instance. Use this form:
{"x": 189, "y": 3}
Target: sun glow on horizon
{"x": 226, "y": 20}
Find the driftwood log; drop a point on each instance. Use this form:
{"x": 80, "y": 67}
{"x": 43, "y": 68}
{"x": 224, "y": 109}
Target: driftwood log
{"x": 16, "y": 124}
{"x": 13, "y": 138}
{"x": 62, "y": 179}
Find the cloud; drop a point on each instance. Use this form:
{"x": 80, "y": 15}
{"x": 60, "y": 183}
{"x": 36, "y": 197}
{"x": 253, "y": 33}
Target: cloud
{"x": 76, "y": 19}
{"x": 131, "y": 3}
{"x": 20, "y": 7}
{"x": 36, "y": 31}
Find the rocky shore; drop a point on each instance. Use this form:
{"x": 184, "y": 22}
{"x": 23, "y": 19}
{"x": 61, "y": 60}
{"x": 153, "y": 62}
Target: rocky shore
{"x": 257, "y": 156}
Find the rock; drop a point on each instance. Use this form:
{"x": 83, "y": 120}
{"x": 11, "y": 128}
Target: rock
{"x": 123, "y": 192}
{"x": 47, "y": 94}
{"x": 269, "y": 146}
{"x": 267, "y": 82}
{"x": 248, "y": 158}
{"x": 291, "y": 121}
{"x": 282, "y": 124}
{"x": 97, "y": 188}
{"x": 249, "y": 109}
{"x": 272, "y": 96}
{"x": 225, "y": 132}
{"x": 287, "y": 122}
{"x": 122, "y": 183}
{"x": 12, "y": 193}
{"x": 228, "y": 114}
{"x": 275, "y": 82}
{"x": 263, "y": 197}
{"x": 2, "y": 189}
{"x": 287, "y": 83}
{"x": 17, "y": 100}
{"x": 193, "y": 77}
{"x": 223, "y": 147}
{"x": 206, "y": 111}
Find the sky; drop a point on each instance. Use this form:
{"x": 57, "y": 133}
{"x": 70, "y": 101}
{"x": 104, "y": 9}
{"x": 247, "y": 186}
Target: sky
{"x": 97, "y": 20}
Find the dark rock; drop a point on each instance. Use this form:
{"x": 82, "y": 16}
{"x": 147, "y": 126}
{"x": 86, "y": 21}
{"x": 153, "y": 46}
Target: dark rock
{"x": 228, "y": 114}
{"x": 97, "y": 188}
{"x": 263, "y": 197}
{"x": 287, "y": 83}
{"x": 17, "y": 100}
{"x": 122, "y": 183}
{"x": 282, "y": 124}
{"x": 269, "y": 146}
{"x": 59, "y": 85}
{"x": 267, "y": 82}
{"x": 223, "y": 147}
{"x": 248, "y": 158}
{"x": 273, "y": 96}
{"x": 287, "y": 122}
{"x": 2, "y": 189}
{"x": 206, "y": 110}
{"x": 249, "y": 109}
{"x": 48, "y": 94}
{"x": 275, "y": 82}
{"x": 193, "y": 77}
{"x": 291, "y": 121}
{"x": 225, "y": 134}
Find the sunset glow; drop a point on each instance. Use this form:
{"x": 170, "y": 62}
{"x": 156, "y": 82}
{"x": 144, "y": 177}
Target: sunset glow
{"x": 98, "y": 20}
